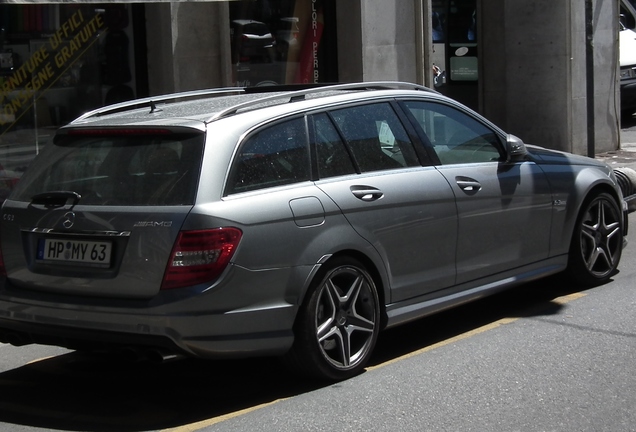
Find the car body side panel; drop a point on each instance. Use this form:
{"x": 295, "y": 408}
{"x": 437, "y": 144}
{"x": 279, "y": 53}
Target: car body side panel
{"x": 504, "y": 221}
{"x": 571, "y": 184}
{"x": 409, "y": 216}
{"x": 571, "y": 178}
{"x": 287, "y": 227}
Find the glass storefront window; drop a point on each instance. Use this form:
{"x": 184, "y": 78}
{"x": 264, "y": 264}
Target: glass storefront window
{"x": 455, "y": 49}
{"x": 56, "y": 62}
{"x": 281, "y": 42}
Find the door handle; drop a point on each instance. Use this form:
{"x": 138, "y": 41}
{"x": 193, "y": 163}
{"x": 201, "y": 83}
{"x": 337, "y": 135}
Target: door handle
{"x": 366, "y": 193}
{"x": 468, "y": 184}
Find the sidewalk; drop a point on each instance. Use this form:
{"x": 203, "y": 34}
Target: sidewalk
{"x": 625, "y": 157}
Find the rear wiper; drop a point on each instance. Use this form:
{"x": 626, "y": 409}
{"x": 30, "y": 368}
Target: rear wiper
{"x": 56, "y": 199}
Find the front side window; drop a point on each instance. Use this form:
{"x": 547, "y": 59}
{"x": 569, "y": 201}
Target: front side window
{"x": 274, "y": 156}
{"x": 455, "y": 136}
{"x": 118, "y": 170}
{"x": 376, "y": 137}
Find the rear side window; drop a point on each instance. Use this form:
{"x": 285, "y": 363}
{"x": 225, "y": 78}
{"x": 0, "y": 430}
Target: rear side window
{"x": 333, "y": 158}
{"x": 376, "y": 137}
{"x": 135, "y": 170}
{"x": 274, "y": 156}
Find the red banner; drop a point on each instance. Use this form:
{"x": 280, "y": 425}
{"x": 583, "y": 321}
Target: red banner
{"x": 308, "y": 66}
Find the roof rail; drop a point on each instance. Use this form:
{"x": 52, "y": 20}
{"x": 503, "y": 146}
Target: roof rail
{"x": 150, "y": 101}
{"x": 297, "y": 95}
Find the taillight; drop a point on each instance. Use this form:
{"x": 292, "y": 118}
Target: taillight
{"x": 200, "y": 256}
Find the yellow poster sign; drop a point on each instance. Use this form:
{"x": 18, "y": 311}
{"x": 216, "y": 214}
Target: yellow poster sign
{"x": 47, "y": 64}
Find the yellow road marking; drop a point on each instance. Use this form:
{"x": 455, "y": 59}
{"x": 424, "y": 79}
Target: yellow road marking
{"x": 568, "y": 298}
{"x": 192, "y": 427}
{"x": 41, "y": 359}
{"x": 559, "y": 300}
{"x": 445, "y": 342}
{"x": 209, "y": 422}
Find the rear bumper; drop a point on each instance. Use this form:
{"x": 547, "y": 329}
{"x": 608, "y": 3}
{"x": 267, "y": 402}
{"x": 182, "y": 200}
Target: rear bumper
{"x": 184, "y": 322}
{"x": 38, "y": 328}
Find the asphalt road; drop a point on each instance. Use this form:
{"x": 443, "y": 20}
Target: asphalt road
{"x": 548, "y": 356}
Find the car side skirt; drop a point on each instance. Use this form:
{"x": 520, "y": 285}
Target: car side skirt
{"x": 403, "y": 312}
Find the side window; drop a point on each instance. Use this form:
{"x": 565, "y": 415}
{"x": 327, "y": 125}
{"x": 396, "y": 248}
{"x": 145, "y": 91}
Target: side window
{"x": 456, "y": 137}
{"x": 333, "y": 158}
{"x": 275, "y": 156}
{"x": 376, "y": 137}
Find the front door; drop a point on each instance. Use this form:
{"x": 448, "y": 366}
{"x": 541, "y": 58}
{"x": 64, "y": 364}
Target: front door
{"x": 504, "y": 209}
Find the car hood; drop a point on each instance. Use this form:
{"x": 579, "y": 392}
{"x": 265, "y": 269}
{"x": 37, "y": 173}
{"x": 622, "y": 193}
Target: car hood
{"x": 554, "y": 157}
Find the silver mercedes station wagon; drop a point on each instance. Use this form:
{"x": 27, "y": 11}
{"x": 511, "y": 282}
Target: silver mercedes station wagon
{"x": 295, "y": 223}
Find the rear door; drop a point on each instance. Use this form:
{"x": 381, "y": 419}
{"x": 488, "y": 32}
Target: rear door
{"x": 97, "y": 213}
{"x": 406, "y": 211}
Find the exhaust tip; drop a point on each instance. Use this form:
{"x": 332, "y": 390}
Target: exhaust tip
{"x": 159, "y": 356}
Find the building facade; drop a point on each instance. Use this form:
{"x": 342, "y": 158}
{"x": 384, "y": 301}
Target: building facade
{"x": 545, "y": 70}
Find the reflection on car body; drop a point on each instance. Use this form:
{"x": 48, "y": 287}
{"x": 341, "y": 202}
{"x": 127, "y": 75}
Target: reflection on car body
{"x": 296, "y": 223}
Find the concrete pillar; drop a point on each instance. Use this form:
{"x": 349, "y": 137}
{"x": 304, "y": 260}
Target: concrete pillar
{"x": 533, "y": 71}
{"x": 188, "y": 46}
{"x": 377, "y": 41}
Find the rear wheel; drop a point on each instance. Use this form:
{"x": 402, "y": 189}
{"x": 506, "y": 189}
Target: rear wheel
{"x": 597, "y": 242}
{"x": 338, "y": 324}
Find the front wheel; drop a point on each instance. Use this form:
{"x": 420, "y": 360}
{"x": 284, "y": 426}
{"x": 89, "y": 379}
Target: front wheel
{"x": 597, "y": 242}
{"x": 338, "y": 323}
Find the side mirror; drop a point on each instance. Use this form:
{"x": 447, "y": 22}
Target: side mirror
{"x": 515, "y": 149}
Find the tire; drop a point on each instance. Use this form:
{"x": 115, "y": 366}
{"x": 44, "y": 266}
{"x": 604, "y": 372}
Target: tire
{"x": 338, "y": 323}
{"x": 597, "y": 241}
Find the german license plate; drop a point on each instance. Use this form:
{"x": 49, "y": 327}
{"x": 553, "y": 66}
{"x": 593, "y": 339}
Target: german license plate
{"x": 75, "y": 251}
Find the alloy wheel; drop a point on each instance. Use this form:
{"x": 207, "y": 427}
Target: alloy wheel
{"x": 601, "y": 237}
{"x": 346, "y": 317}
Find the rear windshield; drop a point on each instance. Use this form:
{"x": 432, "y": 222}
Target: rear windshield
{"x": 135, "y": 170}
